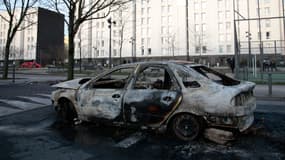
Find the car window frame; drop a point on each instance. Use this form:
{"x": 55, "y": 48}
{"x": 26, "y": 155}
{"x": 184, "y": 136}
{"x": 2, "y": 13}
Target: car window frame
{"x": 89, "y": 85}
{"x": 173, "y": 78}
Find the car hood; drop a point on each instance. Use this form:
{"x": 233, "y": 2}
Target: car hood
{"x": 72, "y": 84}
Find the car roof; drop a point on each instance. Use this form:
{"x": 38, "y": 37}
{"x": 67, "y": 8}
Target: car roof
{"x": 181, "y": 62}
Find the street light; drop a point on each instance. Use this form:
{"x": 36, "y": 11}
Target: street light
{"x": 110, "y": 40}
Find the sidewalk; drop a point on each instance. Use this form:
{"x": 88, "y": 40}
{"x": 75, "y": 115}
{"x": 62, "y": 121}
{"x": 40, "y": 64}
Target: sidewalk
{"x": 262, "y": 92}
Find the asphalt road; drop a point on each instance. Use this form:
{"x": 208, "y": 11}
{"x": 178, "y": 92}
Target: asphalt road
{"x": 36, "y": 133}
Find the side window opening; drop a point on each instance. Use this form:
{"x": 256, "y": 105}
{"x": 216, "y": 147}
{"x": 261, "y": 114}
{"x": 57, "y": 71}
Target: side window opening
{"x": 187, "y": 79}
{"x": 114, "y": 80}
{"x": 153, "y": 78}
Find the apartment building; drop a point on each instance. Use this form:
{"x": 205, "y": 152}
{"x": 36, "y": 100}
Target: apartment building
{"x": 40, "y": 38}
{"x": 160, "y": 29}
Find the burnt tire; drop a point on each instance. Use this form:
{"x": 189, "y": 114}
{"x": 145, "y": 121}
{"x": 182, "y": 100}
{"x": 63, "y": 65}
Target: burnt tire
{"x": 186, "y": 127}
{"x": 66, "y": 111}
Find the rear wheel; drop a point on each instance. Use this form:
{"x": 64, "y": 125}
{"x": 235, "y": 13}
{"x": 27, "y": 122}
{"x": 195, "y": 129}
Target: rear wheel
{"x": 186, "y": 127}
{"x": 67, "y": 111}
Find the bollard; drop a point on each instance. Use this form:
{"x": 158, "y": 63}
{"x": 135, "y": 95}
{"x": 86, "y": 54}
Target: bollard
{"x": 270, "y": 84}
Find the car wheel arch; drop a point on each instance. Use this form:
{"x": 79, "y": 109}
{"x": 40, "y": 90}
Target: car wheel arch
{"x": 199, "y": 118}
{"x": 68, "y": 109}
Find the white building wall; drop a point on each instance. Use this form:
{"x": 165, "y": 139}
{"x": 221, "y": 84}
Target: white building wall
{"x": 23, "y": 46}
{"x": 161, "y": 28}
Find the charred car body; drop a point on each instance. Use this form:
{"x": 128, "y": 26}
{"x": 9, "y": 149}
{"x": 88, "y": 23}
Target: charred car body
{"x": 180, "y": 96}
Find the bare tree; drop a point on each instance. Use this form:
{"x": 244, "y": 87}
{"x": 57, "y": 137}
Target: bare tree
{"x": 16, "y": 11}
{"x": 122, "y": 25}
{"x": 78, "y": 12}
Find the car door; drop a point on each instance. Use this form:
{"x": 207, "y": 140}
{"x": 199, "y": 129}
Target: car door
{"x": 102, "y": 98}
{"x": 152, "y": 96}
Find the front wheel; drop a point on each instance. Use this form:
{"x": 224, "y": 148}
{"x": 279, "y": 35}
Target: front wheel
{"x": 67, "y": 111}
{"x": 186, "y": 127}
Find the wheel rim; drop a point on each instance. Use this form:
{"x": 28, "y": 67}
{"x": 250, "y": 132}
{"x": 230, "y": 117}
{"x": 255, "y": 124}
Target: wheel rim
{"x": 186, "y": 127}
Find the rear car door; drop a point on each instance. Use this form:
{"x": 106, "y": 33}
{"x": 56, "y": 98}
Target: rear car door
{"x": 152, "y": 96}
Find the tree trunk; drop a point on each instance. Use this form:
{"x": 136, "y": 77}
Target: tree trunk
{"x": 6, "y": 60}
{"x": 70, "y": 57}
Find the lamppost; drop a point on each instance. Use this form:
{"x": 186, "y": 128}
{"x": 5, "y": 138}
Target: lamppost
{"x": 110, "y": 40}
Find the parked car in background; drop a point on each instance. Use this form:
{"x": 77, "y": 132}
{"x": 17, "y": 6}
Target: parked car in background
{"x": 184, "y": 98}
{"x": 32, "y": 64}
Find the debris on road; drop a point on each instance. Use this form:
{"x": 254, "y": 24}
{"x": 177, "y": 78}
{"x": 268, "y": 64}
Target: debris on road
{"x": 218, "y": 136}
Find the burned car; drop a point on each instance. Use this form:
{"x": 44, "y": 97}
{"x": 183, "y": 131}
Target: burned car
{"x": 184, "y": 98}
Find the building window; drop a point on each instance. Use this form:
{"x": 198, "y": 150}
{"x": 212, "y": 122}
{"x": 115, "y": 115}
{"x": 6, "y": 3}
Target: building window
{"x": 102, "y": 43}
{"x": 162, "y": 9}
{"x": 197, "y": 27}
{"x": 220, "y": 15}
{"x": 142, "y": 51}
{"x": 203, "y": 16}
{"x": 164, "y": 20}
{"x": 221, "y": 48}
{"x": 228, "y": 37}
{"x": 266, "y": 11}
{"x": 169, "y": 9}
{"x": 142, "y": 11}
{"x": 142, "y": 41}
{"x": 162, "y": 40}
{"x": 114, "y": 52}
{"x": 144, "y": 31}
{"x": 196, "y": 6}
{"x": 163, "y": 30}
{"x": 228, "y": 25}
{"x": 228, "y": 14}
{"x": 149, "y": 51}
{"x": 148, "y": 20}
{"x": 148, "y": 42}
{"x": 148, "y": 32}
{"x": 169, "y": 19}
{"x": 229, "y": 48}
{"x": 267, "y": 23}
{"x": 196, "y": 17}
{"x": 221, "y": 26}
{"x": 267, "y": 35}
{"x": 204, "y": 49}
{"x": 228, "y": 4}
{"x": 142, "y": 21}
{"x": 203, "y": 27}
{"x": 197, "y": 49}
{"x": 204, "y": 6}
{"x": 221, "y": 38}
{"x": 220, "y": 4}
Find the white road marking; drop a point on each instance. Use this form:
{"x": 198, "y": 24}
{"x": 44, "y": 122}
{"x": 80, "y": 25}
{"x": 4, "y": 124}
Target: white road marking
{"x": 44, "y": 95}
{"x": 44, "y": 101}
{"x": 21, "y": 105}
{"x": 6, "y": 111}
{"x": 131, "y": 140}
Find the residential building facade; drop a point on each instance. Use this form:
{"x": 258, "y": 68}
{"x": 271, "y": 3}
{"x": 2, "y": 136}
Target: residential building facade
{"x": 160, "y": 29}
{"x": 40, "y": 37}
